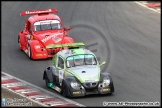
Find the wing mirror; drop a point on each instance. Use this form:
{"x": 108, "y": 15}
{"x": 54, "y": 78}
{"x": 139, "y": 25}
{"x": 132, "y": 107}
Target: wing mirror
{"x": 103, "y": 63}
{"x": 66, "y": 29}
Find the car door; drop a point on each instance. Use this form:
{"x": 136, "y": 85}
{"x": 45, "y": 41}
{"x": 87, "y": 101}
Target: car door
{"x": 27, "y": 33}
{"x": 60, "y": 69}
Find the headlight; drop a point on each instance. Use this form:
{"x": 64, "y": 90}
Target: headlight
{"x": 74, "y": 84}
{"x": 106, "y": 82}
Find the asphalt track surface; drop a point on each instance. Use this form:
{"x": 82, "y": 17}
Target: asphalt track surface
{"x": 132, "y": 52}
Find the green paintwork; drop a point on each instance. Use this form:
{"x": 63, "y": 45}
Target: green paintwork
{"x": 77, "y": 51}
{"x": 54, "y": 59}
{"x": 66, "y": 45}
{"x": 59, "y": 68}
{"x": 99, "y": 73}
{"x": 71, "y": 72}
{"x": 103, "y": 63}
{"x": 50, "y": 84}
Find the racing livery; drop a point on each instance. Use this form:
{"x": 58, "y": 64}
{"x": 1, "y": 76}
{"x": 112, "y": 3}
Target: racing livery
{"x": 75, "y": 72}
{"x": 42, "y": 29}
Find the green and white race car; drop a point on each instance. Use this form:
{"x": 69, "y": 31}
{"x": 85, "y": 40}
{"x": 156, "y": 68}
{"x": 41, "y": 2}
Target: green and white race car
{"x": 75, "y": 72}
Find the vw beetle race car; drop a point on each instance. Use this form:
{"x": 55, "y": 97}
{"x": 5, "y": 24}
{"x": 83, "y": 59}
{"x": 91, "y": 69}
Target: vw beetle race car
{"x": 41, "y": 30}
{"x": 76, "y": 72}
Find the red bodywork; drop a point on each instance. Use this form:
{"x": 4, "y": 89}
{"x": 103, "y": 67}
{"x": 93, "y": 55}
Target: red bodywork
{"x": 34, "y": 43}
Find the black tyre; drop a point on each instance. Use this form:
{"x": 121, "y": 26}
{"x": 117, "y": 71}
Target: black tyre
{"x": 46, "y": 80}
{"x": 19, "y": 43}
{"x": 65, "y": 90}
{"x": 29, "y": 52}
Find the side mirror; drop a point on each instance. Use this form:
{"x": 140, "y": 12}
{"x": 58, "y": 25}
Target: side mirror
{"x": 103, "y": 63}
{"x": 68, "y": 28}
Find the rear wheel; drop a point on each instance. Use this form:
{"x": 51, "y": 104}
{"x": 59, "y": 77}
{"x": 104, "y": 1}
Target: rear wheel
{"x": 19, "y": 43}
{"x": 46, "y": 80}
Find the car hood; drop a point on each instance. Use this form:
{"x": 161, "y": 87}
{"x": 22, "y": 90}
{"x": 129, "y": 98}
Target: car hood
{"x": 86, "y": 73}
{"x": 49, "y": 37}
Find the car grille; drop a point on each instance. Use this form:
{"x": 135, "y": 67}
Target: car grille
{"x": 90, "y": 84}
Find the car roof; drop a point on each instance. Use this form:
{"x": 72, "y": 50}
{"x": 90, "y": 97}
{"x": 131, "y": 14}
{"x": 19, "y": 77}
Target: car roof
{"x": 70, "y": 52}
{"x": 39, "y": 17}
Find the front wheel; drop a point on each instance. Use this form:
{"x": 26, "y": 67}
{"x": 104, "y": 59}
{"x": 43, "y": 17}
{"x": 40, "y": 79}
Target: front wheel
{"x": 29, "y": 52}
{"x": 65, "y": 90}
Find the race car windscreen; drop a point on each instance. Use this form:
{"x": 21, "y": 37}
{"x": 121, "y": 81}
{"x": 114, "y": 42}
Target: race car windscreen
{"x": 47, "y": 25}
{"x": 82, "y": 59}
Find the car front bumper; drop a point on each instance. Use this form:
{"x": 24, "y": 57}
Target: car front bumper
{"x": 84, "y": 92}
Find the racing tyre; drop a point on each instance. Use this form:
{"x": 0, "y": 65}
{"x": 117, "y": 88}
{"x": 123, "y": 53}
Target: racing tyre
{"x": 19, "y": 43}
{"x": 29, "y": 52}
{"x": 65, "y": 90}
{"x": 46, "y": 80}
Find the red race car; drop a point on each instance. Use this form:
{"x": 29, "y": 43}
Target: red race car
{"x": 41, "y": 30}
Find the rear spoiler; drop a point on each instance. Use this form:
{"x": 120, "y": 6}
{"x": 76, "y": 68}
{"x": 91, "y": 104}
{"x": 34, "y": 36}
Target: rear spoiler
{"x": 77, "y": 44}
{"x": 38, "y": 11}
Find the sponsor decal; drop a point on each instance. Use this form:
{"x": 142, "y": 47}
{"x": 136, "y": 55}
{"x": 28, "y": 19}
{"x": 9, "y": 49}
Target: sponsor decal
{"x": 106, "y": 89}
{"x": 15, "y": 102}
{"x": 77, "y": 92}
{"x": 54, "y": 37}
{"x": 47, "y": 38}
{"x": 58, "y": 89}
{"x": 45, "y": 22}
{"x": 3, "y": 101}
{"x": 33, "y": 12}
{"x": 65, "y": 74}
{"x": 56, "y": 40}
{"x": 37, "y": 46}
{"x": 39, "y": 54}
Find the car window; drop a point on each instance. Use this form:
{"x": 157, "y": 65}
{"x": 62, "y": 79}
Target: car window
{"x": 90, "y": 60}
{"x": 30, "y": 28}
{"x": 81, "y": 59}
{"x": 47, "y": 25}
{"x": 60, "y": 63}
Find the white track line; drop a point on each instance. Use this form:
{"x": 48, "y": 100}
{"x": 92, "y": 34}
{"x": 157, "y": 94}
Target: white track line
{"x": 147, "y": 7}
{"x": 52, "y": 94}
